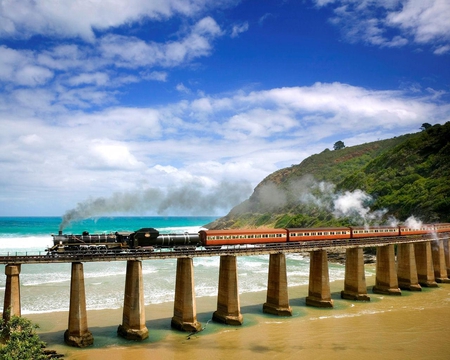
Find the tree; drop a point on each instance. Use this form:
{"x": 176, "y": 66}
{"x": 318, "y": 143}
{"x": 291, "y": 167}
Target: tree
{"x": 338, "y": 145}
{"x": 425, "y": 126}
{"x": 19, "y": 340}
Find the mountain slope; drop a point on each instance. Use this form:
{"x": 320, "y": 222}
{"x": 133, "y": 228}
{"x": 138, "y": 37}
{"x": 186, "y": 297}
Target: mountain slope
{"x": 369, "y": 183}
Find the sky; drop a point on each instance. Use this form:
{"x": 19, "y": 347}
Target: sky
{"x": 181, "y": 107}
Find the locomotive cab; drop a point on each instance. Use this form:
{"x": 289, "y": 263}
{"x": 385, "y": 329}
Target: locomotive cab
{"x": 143, "y": 237}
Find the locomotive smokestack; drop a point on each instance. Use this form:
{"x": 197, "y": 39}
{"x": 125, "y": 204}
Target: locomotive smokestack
{"x": 60, "y": 232}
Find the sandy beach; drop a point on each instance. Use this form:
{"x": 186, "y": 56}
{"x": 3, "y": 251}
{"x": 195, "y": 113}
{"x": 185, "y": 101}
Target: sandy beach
{"x": 412, "y": 326}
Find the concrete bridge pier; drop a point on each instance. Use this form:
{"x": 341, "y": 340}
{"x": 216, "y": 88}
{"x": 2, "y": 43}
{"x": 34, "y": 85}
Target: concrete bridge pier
{"x": 386, "y": 281}
{"x": 11, "y": 304}
{"x": 78, "y": 334}
{"x": 277, "y": 287}
{"x": 319, "y": 293}
{"x": 424, "y": 262}
{"x": 133, "y": 318}
{"x": 439, "y": 264}
{"x": 447, "y": 255}
{"x": 185, "y": 309}
{"x": 228, "y": 306}
{"x": 406, "y": 268}
{"x": 355, "y": 279}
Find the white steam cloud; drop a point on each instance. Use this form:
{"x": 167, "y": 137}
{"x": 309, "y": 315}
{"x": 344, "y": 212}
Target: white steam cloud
{"x": 190, "y": 199}
{"x": 323, "y": 195}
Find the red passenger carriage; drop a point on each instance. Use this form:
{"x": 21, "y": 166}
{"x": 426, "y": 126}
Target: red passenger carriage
{"x": 417, "y": 230}
{"x": 236, "y": 237}
{"x": 309, "y": 234}
{"x": 373, "y": 231}
{"x": 444, "y": 227}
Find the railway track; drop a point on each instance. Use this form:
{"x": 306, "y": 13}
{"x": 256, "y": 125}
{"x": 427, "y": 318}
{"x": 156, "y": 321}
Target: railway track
{"x": 233, "y": 250}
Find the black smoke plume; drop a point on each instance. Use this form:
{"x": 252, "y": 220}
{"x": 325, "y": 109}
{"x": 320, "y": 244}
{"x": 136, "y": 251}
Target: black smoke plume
{"x": 190, "y": 199}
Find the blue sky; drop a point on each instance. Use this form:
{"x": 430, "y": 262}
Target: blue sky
{"x": 140, "y": 100}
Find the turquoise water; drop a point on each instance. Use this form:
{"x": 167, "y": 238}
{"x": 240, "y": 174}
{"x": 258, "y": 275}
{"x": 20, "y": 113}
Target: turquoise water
{"x": 45, "y": 226}
{"x": 45, "y": 287}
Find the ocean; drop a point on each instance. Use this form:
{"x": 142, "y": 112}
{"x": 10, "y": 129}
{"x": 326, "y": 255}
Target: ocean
{"x": 44, "y": 287}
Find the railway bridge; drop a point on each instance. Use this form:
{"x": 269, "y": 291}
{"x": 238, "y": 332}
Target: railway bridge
{"x": 420, "y": 260}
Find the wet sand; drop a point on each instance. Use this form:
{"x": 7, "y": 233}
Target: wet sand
{"x": 412, "y": 326}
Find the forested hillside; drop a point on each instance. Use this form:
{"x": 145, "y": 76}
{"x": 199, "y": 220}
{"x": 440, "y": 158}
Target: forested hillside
{"x": 382, "y": 182}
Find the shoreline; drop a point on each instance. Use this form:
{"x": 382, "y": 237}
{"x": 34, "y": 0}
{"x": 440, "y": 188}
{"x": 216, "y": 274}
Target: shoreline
{"x": 307, "y": 333}
{"x": 104, "y": 323}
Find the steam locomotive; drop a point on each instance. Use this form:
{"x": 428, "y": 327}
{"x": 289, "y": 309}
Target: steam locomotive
{"x": 147, "y": 239}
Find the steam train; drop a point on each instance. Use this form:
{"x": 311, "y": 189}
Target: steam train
{"x": 147, "y": 239}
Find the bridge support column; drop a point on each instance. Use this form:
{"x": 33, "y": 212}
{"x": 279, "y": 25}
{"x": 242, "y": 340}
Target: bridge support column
{"x": 11, "y": 304}
{"x": 319, "y": 293}
{"x": 386, "y": 277}
{"x": 228, "y": 307}
{"x": 439, "y": 265}
{"x": 78, "y": 334}
{"x": 447, "y": 255}
{"x": 133, "y": 318}
{"x": 185, "y": 309}
{"x": 277, "y": 287}
{"x": 406, "y": 268}
{"x": 424, "y": 262}
{"x": 355, "y": 278}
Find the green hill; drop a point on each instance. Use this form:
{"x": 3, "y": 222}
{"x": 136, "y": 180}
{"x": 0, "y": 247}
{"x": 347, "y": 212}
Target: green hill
{"x": 380, "y": 182}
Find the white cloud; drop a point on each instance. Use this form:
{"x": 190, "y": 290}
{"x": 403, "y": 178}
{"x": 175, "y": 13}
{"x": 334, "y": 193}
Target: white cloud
{"x": 97, "y": 78}
{"x": 259, "y": 123}
{"x": 392, "y": 23}
{"x": 155, "y": 75}
{"x": 111, "y": 155}
{"x": 20, "y": 67}
{"x": 428, "y": 21}
{"x": 442, "y": 50}
{"x": 238, "y": 137}
{"x": 126, "y": 51}
{"x": 79, "y": 18}
{"x": 238, "y": 29}
{"x": 182, "y": 88}
{"x": 86, "y": 76}
{"x": 263, "y": 18}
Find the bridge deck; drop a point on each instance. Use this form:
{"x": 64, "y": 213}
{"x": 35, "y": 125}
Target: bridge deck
{"x": 245, "y": 250}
